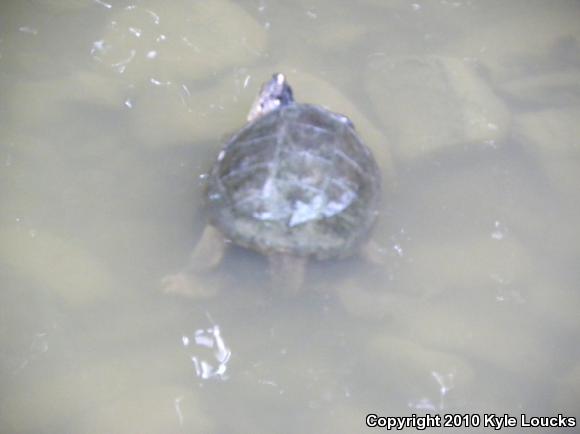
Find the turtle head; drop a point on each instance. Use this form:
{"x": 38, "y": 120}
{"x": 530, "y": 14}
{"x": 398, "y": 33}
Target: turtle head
{"x": 273, "y": 94}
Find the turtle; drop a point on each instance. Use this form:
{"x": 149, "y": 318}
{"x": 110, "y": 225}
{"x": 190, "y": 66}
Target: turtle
{"x": 295, "y": 183}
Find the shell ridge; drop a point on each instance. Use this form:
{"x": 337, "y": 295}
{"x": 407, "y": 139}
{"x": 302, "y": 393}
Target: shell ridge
{"x": 297, "y": 180}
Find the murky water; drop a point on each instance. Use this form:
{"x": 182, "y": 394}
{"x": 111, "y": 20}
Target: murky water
{"x": 111, "y": 114}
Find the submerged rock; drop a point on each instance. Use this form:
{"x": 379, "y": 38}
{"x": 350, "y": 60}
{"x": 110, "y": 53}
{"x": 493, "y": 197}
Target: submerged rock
{"x": 422, "y": 373}
{"x": 429, "y": 104}
{"x": 510, "y": 41}
{"x": 551, "y": 137}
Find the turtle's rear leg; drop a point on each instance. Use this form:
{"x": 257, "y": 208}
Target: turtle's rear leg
{"x": 287, "y": 272}
{"x": 207, "y": 255}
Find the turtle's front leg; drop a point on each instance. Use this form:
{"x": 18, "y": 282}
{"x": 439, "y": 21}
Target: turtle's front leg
{"x": 206, "y": 256}
{"x": 209, "y": 251}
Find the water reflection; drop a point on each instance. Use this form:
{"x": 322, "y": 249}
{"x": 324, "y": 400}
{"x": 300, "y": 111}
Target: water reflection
{"x": 211, "y": 338}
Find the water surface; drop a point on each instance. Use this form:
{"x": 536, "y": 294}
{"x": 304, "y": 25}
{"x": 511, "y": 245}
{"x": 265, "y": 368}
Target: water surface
{"x": 111, "y": 114}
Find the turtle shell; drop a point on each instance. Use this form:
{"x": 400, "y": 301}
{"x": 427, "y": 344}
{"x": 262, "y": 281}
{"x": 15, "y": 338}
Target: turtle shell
{"x": 297, "y": 180}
